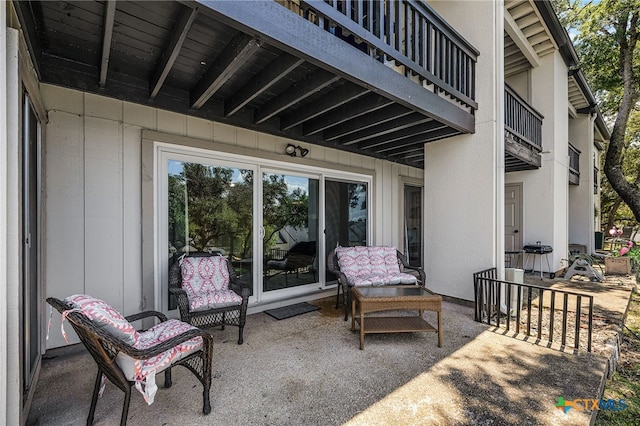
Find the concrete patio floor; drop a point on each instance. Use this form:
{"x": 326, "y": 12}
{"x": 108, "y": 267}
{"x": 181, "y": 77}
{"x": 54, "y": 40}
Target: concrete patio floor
{"x": 308, "y": 370}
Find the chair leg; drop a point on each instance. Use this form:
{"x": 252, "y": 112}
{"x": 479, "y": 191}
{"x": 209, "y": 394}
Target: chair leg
{"x": 346, "y": 295}
{"x": 338, "y": 297}
{"x": 94, "y": 398}
{"x": 125, "y": 409}
{"x": 240, "y": 338}
{"x": 167, "y": 378}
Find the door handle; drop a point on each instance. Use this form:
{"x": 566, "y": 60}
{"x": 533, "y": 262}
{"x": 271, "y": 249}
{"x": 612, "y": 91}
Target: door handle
{"x": 516, "y": 231}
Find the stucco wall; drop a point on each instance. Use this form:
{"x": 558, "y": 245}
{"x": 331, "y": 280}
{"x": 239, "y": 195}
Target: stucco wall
{"x": 93, "y": 190}
{"x": 581, "y": 198}
{"x": 464, "y": 183}
{"x": 545, "y": 191}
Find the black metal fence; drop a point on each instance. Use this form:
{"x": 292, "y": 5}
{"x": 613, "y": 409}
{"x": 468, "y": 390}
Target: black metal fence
{"x": 555, "y": 316}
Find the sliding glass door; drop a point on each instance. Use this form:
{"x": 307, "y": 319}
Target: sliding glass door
{"x": 210, "y": 209}
{"x": 346, "y": 215}
{"x": 290, "y": 223}
{"x": 275, "y": 225}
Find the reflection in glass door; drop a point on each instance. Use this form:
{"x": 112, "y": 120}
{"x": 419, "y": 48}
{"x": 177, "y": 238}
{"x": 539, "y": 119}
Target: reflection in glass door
{"x": 413, "y": 224}
{"x": 345, "y": 215}
{"x": 211, "y": 210}
{"x": 290, "y": 222}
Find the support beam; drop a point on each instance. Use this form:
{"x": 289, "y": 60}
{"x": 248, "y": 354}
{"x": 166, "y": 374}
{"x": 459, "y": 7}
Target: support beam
{"x": 109, "y": 17}
{"x": 384, "y": 115}
{"x": 512, "y": 28}
{"x": 419, "y": 149}
{"x": 273, "y": 73}
{"x": 179, "y": 35}
{"x": 234, "y": 55}
{"x": 385, "y": 128}
{"x": 340, "y": 96}
{"x": 317, "y": 81}
{"x": 367, "y": 104}
{"x": 402, "y": 137}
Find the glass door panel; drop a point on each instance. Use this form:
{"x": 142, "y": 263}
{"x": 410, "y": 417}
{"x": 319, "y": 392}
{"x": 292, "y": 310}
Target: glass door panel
{"x": 211, "y": 210}
{"x": 290, "y": 222}
{"x": 413, "y": 224}
{"x": 345, "y": 215}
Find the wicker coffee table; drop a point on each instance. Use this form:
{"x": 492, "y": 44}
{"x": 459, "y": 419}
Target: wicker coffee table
{"x": 394, "y": 298}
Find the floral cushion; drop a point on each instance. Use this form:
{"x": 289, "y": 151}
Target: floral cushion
{"x": 104, "y": 317}
{"x": 143, "y": 372}
{"x": 376, "y": 265}
{"x": 206, "y": 281}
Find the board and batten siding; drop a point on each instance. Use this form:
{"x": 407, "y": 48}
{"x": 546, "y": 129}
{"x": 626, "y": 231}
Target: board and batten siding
{"x": 93, "y": 199}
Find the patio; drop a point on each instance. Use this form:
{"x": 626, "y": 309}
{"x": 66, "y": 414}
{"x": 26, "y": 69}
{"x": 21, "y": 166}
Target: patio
{"x": 308, "y": 370}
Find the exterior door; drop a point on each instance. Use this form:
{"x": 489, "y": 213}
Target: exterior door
{"x": 290, "y": 206}
{"x": 30, "y": 232}
{"x": 513, "y": 217}
{"x": 413, "y": 245}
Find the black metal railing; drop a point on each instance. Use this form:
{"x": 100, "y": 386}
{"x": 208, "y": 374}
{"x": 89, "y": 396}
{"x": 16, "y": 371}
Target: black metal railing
{"x": 574, "y": 165}
{"x": 522, "y": 120}
{"x": 595, "y": 179}
{"x": 409, "y": 33}
{"x": 521, "y": 308}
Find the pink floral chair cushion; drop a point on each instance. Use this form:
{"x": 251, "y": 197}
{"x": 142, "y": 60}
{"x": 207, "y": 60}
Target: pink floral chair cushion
{"x": 206, "y": 282}
{"x": 375, "y": 265}
{"x": 105, "y": 317}
{"x": 143, "y": 372}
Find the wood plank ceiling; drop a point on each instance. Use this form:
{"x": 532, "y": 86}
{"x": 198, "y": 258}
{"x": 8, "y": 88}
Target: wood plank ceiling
{"x": 172, "y": 55}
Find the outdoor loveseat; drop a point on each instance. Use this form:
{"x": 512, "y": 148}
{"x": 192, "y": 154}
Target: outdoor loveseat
{"x": 370, "y": 265}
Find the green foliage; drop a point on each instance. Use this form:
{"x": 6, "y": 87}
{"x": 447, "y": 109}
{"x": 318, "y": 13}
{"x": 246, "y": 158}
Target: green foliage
{"x": 282, "y": 208}
{"x": 605, "y": 33}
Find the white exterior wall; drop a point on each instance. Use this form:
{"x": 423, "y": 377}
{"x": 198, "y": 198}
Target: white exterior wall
{"x": 10, "y": 245}
{"x": 464, "y": 184}
{"x": 581, "y": 198}
{"x": 545, "y": 190}
{"x": 93, "y": 191}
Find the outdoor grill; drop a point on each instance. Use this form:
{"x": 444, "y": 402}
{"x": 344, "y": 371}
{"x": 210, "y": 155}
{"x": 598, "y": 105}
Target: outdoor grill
{"x": 538, "y": 250}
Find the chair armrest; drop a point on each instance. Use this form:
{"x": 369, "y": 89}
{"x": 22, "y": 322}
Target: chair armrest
{"x": 140, "y": 315}
{"x": 406, "y": 265}
{"x": 164, "y": 346}
{"x": 241, "y": 288}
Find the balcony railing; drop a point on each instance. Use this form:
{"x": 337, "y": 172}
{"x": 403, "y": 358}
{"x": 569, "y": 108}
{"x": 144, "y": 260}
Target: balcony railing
{"x": 574, "y": 165}
{"x": 521, "y": 120}
{"x": 407, "y": 33}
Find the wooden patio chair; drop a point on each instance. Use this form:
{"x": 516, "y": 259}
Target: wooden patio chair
{"x": 130, "y": 358}
{"x": 208, "y": 292}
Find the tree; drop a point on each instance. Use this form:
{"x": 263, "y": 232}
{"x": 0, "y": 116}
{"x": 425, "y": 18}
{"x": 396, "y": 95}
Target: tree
{"x": 607, "y": 43}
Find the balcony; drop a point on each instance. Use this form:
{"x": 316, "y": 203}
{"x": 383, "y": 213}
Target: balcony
{"x": 377, "y": 78}
{"x": 574, "y": 165}
{"x": 523, "y": 133}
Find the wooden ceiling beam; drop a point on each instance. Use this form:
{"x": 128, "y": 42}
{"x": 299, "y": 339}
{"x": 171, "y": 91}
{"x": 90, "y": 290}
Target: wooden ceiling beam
{"x": 438, "y": 133}
{"x": 179, "y": 35}
{"x": 340, "y": 96}
{"x": 230, "y": 60}
{"x": 349, "y": 111}
{"x": 107, "y": 35}
{"x": 391, "y": 112}
{"x": 386, "y": 128}
{"x": 315, "y": 82}
{"x": 273, "y": 73}
{"x": 403, "y": 137}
